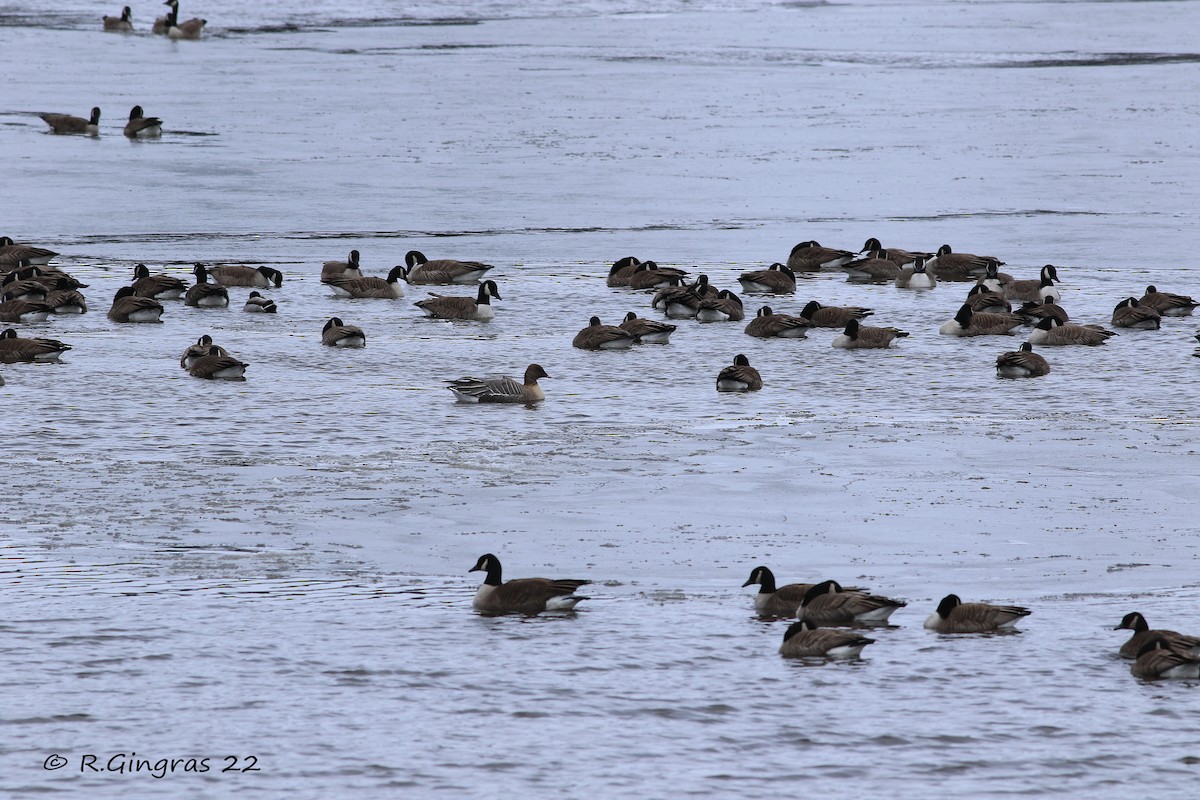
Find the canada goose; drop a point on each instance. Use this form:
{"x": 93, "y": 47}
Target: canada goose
{"x": 1157, "y": 659}
{"x": 12, "y": 254}
{"x": 1033, "y": 312}
{"x": 241, "y": 275}
{"x": 1131, "y": 314}
{"x": 983, "y": 300}
{"x": 647, "y": 331}
{"x": 479, "y": 308}
{"x": 767, "y": 324}
{"x": 875, "y": 268}
{"x": 1053, "y": 333}
{"x": 805, "y": 640}
{"x": 389, "y": 289}
{"x": 257, "y": 304}
{"x": 188, "y": 29}
{"x": 215, "y": 365}
{"x": 649, "y": 275}
{"x": 896, "y": 255}
{"x": 1038, "y": 289}
{"x": 772, "y": 600}
{"x": 993, "y": 278}
{"x": 683, "y": 302}
{"x": 739, "y": 377}
{"x": 161, "y": 23}
{"x": 121, "y": 23}
{"x": 602, "y": 337}
{"x": 127, "y": 307}
{"x": 967, "y": 323}
{"x": 203, "y": 347}
{"x": 501, "y": 389}
{"x": 820, "y": 316}
{"x": 810, "y": 257}
{"x": 14, "y": 348}
{"x": 1022, "y": 363}
{"x": 12, "y": 310}
{"x": 204, "y": 294}
{"x": 66, "y": 301}
{"x": 1143, "y": 635}
{"x": 342, "y": 269}
{"x": 827, "y": 603}
{"x": 65, "y": 123}
{"x": 955, "y": 616}
{"x": 24, "y": 288}
{"x": 1167, "y": 304}
{"x": 864, "y": 337}
{"x": 338, "y": 334}
{"x": 445, "y": 270}
{"x": 141, "y": 127}
{"x": 916, "y": 277}
{"x": 951, "y": 266}
{"x": 622, "y": 268}
{"x": 775, "y": 279}
{"x": 725, "y": 307}
{"x": 160, "y": 287}
{"x": 523, "y": 595}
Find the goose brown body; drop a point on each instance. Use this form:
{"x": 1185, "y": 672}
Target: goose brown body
{"x": 651, "y": 331}
{"x": 955, "y": 616}
{"x": 804, "y": 640}
{"x": 527, "y": 596}
{"x": 865, "y": 337}
{"x": 1143, "y": 635}
{"x": 68, "y": 124}
{"x": 767, "y": 324}
{"x": 478, "y": 308}
{"x": 739, "y": 377}
{"x": 446, "y": 270}
{"x": 501, "y": 388}
{"x": 833, "y": 316}
{"x": 1021, "y": 363}
{"x": 127, "y": 307}
{"x": 597, "y": 336}
{"x": 14, "y": 348}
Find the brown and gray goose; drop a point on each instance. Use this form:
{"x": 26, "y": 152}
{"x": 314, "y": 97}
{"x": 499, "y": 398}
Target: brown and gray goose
{"x": 1021, "y": 363}
{"x": 597, "y": 336}
{"x": 1158, "y": 659}
{"x": 13, "y": 310}
{"x": 203, "y": 294}
{"x": 1038, "y": 289}
{"x": 967, "y": 323}
{"x": 216, "y": 365}
{"x": 128, "y": 307}
{"x": 767, "y": 324}
{"x": 993, "y": 278}
{"x": 916, "y": 276}
{"x": 478, "y": 308}
{"x": 141, "y": 126}
{"x": 827, "y": 603}
{"x": 955, "y": 616}
{"x": 66, "y": 301}
{"x": 1143, "y": 634}
{"x": 188, "y": 29}
{"x": 501, "y": 388}
{"x": 12, "y": 254}
{"x": 683, "y": 302}
{"x": 21, "y": 285}
{"x": 257, "y": 304}
{"x": 805, "y": 640}
{"x": 1051, "y": 332}
{"x": 896, "y": 255}
{"x": 241, "y": 275}
{"x": 724, "y": 307}
{"x": 864, "y": 337}
{"x": 65, "y": 123}
{"x": 951, "y": 266}
{"x": 524, "y": 595}
{"x": 1131, "y": 314}
{"x": 820, "y": 316}
{"x": 983, "y": 300}
{"x": 647, "y": 331}
{"x": 622, "y": 268}
{"x": 775, "y": 279}
{"x": 203, "y": 347}
{"x": 384, "y": 289}
{"x": 160, "y": 287}
{"x": 876, "y": 267}
{"x": 349, "y": 268}
{"x": 445, "y": 270}
{"x": 739, "y": 377}
{"x": 122, "y": 24}
{"x": 1168, "y": 304}
{"x": 1034, "y": 312}
{"x": 160, "y": 23}
{"x": 810, "y": 256}
{"x": 772, "y": 600}
{"x": 15, "y": 348}
{"x": 338, "y": 334}
{"x": 649, "y": 275}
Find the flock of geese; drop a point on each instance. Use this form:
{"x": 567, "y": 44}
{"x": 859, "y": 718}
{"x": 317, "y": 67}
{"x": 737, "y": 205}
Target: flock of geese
{"x": 829, "y": 618}
{"x": 166, "y": 25}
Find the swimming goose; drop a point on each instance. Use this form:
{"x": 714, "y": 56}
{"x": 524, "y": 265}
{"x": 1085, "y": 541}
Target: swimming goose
{"x": 12, "y": 310}
{"x": 805, "y": 640}
{"x": 501, "y": 389}
{"x": 257, "y": 304}
{"x": 188, "y": 29}
{"x": 141, "y": 127}
{"x": 916, "y": 276}
{"x": 1034, "y": 312}
{"x": 1143, "y": 635}
{"x": 993, "y": 278}
{"x": 23, "y": 288}
{"x": 204, "y": 294}
{"x": 864, "y": 337}
{"x": 338, "y": 334}
{"x": 342, "y": 269}
{"x": 682, "y": 302}
{"x": 1129, "y": 313}
{"x": 122, "y": 23}
{"x": 241, "y": 275}
{"x": 15, "y": 348}
{"x": 775, "y": 279}
{"x": 1053, "y": 333}
{"x": 127, "y": 307}
{"x": 950, "y": 266}
{"x": 66, "y": 301}
{"x": 160, "y": 23}
{"x": 739, "y": 377}
{"x": 955, "y": 616}
{"x": 810, "y": 257}
{"x": 1022, "y": 363}
{"x": 479, "y": 308}
{"x": 160, "y": 287}
{"x": 12, "y": 254}
{"x": 602, "y": 337}
{"x": 216, "y": 365}
{"x": 772, "y": 600}
{"x": 649, "y": 275}
{"x": 647, "y": 331}
{"x": 203, "y": 347}
{"x": 1157, "y": 659}
{"x": 1038, "y": 289}
{"x": 724, "y": 307}
{"x": 622, "y": 268}
{"x": 1167, "y": 304}
{"x": 445, "y": 270}
{"x": 65, "y": 123}
{"x": 827, "y": 603}
{"x": 896, "y": 255}
{"x": 389, "y": 289}
{"x": 983, "y": 300}
{"x": 767, "y": 324}
{"x": 820, "y": 316}
{"x": 523, "y": 595}
{"x": 875, "y": 268}
{"x": 967, "y": 323}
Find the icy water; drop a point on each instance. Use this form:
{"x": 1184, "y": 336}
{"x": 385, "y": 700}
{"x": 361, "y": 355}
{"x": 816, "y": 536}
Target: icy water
{"x": 272, "y": 575}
